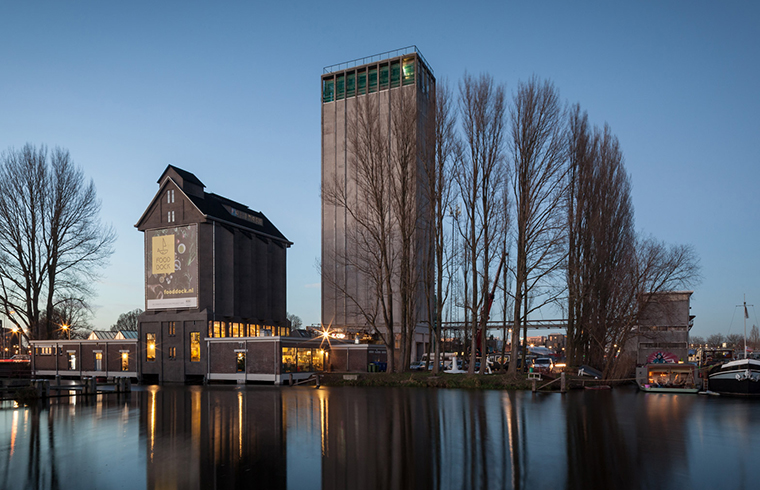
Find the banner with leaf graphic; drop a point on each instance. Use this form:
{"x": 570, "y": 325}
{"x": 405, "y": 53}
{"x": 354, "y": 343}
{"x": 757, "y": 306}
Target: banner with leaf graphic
{"x": 171, "y": 268}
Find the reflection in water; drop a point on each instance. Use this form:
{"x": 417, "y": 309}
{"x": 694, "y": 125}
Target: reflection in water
{"x": 270, "y": 437}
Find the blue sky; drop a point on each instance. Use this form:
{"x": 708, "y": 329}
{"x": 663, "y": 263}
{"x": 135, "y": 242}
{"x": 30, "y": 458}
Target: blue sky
{"x": 230, "y": 92}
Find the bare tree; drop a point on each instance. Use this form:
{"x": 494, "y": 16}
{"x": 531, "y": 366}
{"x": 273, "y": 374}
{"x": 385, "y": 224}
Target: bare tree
{"x": 753, "y": 340}
{"x": 480, "y": 175}
{"x": 441, "y": 148}
{"x": 601, "y": 239}
{"x": 538, "y": 157}
{"x": 380, "y": 199}
{"x": 716, "y": 340}
{"x": 52, "y": 244}
{"x": 71, "y": 318}
{"x": 128, "y": 320}
{"x": 295, "y": 321}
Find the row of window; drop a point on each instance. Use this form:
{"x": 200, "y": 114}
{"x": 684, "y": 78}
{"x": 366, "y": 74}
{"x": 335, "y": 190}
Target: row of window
{"x": 71, "y": 359}
{"x": 302, "y": 359}
{"x": 368, "y": 80}
{"x": 195, "y": 348}
{"x": 238, "y": 329}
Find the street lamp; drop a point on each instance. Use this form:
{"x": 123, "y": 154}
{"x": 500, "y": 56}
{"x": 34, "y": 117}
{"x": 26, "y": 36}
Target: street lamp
{"x": 15, "y": 331}
{"x": 66, "y": 328}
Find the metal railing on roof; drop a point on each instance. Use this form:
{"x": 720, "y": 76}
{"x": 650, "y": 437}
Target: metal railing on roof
{"x": 377, "y": 57}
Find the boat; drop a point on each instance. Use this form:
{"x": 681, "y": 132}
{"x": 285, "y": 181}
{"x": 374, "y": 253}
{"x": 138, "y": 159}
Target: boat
{"x": 667, "y": 378}
{"x": 740, "y": 377}
{"x": 737, "y": 378}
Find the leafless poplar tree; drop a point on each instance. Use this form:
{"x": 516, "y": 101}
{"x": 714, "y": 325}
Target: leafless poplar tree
{"x": 440, "y": 151}
{"x": 538, "y": 178}
{"x": 480, "y": 174}
{"x": 52, "y": 244}
{"x": 381, "y": 201}
{"x": 601, "y": 238}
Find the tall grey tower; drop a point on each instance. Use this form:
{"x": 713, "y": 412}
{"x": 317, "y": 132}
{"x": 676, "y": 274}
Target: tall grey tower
{"x": 378, "y": 79}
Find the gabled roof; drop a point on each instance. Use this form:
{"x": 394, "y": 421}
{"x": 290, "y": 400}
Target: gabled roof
{"x": 186, "y": 176}
{"x": 216, "y": 207}
{"x": 110, "y": 335}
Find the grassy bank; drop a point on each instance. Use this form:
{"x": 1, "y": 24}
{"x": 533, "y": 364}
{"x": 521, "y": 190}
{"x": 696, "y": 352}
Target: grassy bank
{"x": 427, "y": 380}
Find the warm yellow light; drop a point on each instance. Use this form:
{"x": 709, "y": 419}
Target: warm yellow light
{"x": 151, "y": 346}
{"x": 64, "y": 326}
{"x": 124, "y": 355}
{"x": 14, "y": 329}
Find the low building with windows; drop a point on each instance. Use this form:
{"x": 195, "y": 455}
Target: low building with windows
{"x": 100, "y": 357}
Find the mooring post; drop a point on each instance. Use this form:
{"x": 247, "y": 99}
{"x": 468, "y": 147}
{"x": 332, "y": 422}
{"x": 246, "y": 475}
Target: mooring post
{"x": 533, "y": 382}
{"x": 317, "y": 380}
{"x": 563, "y": 383}
{"x": 290, "y": 379}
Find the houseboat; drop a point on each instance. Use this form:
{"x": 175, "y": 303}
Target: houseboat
{"x": 667, "y": 378}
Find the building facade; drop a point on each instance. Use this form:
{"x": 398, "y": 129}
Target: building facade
{"x": 663, "y": 329}
{"x": 376, "y": 80}
{"x": 214, "y": 269}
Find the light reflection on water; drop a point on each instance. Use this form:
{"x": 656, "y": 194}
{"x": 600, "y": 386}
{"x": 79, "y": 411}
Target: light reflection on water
{"x": 271, "y": 437}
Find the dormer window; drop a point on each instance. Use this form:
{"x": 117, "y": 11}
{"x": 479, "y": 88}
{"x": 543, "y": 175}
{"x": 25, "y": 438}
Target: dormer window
{"x": 170, "y": 196}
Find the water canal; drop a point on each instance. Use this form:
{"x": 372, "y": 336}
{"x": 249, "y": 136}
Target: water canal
{"x": 391, "y": 438}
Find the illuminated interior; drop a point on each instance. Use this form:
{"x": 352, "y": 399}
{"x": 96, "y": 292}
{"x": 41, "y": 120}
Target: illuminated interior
{"x": 150, "y": 351}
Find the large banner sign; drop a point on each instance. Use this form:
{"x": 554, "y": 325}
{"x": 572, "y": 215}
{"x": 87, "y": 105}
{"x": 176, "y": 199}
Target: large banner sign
{"x": 171, "y": 268}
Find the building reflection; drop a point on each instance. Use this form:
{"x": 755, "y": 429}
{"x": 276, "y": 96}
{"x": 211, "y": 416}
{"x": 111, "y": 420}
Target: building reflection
{"x": 210, "y": 437}
{"x": 627, "y": 440}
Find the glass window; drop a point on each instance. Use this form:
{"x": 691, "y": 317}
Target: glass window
{"x": 372, "y": 80}
{"x": 395, "y": 73}
{"x": 124, "y": 361}
{"x": 351, "y": 84}
{"x": 235, "y": 329}
{"x": 172, "y": 353}
{"x": 340, "y": 85}
{"x": 328, "y": 90}
{"x": 384, "y": 75}
{"x": 304, "y": 359}
{"x": 318, "y": 360}
{"x": 72, "y": 361}
{"x": 150, "y": 342}
{"x": 288, "y": 360}
{"x": 362, "y": 82}
{"x": 172, "y": 329}
{"x": 195, "y": 346}
{"x": 240, "y": 362}
{"x": 408, "y": 71}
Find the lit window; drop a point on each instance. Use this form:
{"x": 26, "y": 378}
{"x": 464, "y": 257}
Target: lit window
{"x": 235, "y": 330}
{"x": 124, "y": 361}
{"x": 172, "y": 329}
{"x": 172, "y": 353}
{"x": 195, "y": 346}
{"x": 288, "y": 360}
{"x": 150, "y": 342}
{"x": 240, "y": 362}
{"x": 408, "y": 71}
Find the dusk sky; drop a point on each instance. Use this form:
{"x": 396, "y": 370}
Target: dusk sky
{"x": 231, "y": 92}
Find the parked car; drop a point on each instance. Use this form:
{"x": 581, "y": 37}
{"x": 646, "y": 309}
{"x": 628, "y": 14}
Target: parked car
{"x": 417, "y": 366}
{"x": 21, "y": 357}
{"x": 543, "y": 365}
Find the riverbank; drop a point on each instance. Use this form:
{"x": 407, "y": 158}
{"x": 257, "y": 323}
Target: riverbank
{"x": 427, "y": 380}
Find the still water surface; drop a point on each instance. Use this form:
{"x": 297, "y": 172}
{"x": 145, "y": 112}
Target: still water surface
{"x": 363, "y": 438}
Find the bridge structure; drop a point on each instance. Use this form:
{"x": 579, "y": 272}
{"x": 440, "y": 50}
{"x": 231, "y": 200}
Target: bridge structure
{"x": 555, "y": 324}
